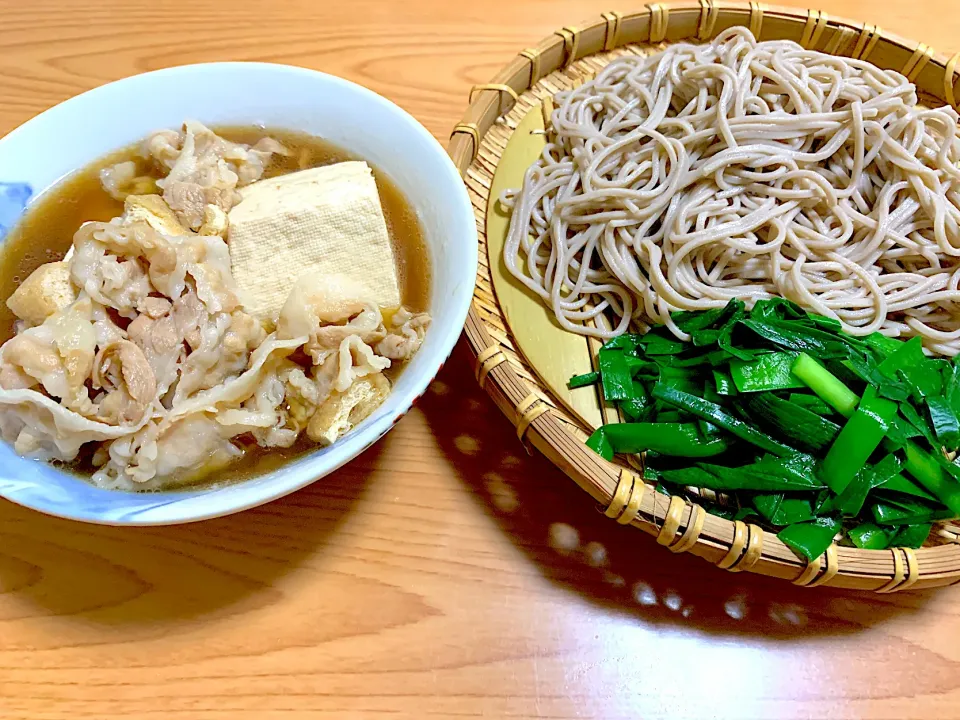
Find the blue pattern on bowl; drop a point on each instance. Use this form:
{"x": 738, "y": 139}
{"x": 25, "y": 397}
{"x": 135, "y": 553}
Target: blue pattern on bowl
{"x": 13, "y": 199}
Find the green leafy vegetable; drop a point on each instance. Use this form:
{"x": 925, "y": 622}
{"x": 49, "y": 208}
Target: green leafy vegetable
{"x": 766, "y": 372}
{"x": 723, "y": 382}
{"x": 655, "y": 344}
{"x": 579, "y": 381}
{"x": 882, "y": 344}
{"x": 750, "y": 408}
{"x": 674, "y": 439}
{"x": 850, "y": 502}
{"x": 945, "y": 423}
{"x": 810, "y": 539}
{"x": 781, "y": 509}
{"x": 912, "y": 536}
{"x": 812, "y": 403}
{"x": 907, "y": 513}
{"x": 791, "y": 422}
{"x": 769, "y": 474}
{"x": 718, "y": 416}
{"x": 869, "y": 536}
{"x": 930, "y": 473}
{"x": 826, "y": 386}
{"x": 861, "y": 435}
{"x": 900, "y": 485}
{"x": 615, "y": 374}
{"x": 599, "y": 443}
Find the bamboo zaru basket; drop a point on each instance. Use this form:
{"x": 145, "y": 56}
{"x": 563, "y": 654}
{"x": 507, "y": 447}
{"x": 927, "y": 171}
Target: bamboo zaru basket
{"x": 568, "y": 57}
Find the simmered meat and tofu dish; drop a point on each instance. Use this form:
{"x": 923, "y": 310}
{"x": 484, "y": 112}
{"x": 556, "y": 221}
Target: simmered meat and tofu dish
{"x": 247, "y": 297}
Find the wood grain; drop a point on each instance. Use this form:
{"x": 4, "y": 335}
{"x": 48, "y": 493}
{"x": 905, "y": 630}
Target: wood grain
{"x": 444, "y": 573}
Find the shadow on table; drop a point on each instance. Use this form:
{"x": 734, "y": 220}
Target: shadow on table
{"x": 161, "y": 576}
{"x": 564, "y": 533}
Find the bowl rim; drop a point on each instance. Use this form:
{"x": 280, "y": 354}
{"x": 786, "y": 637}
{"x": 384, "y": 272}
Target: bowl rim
{"x": 311, "y": 466}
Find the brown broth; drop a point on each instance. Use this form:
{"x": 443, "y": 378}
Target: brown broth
{"x": 46, "y": 232}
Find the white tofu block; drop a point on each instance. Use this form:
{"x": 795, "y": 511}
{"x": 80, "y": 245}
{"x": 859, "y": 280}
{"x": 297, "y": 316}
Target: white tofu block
{"x": 323, "y": 221}
{"x": 47, "y": 290}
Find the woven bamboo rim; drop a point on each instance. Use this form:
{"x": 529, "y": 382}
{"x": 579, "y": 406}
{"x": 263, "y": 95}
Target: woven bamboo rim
{"x": 570, "y": 55}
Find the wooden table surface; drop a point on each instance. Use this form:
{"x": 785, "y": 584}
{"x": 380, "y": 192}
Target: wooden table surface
{"x": 444, "y": 573}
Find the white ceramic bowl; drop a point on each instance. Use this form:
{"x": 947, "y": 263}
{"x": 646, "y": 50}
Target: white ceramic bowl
{"x": 81, "y": 130}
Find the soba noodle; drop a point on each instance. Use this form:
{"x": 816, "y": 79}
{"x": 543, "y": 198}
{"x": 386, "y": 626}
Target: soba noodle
{"x": 744, "y": 170}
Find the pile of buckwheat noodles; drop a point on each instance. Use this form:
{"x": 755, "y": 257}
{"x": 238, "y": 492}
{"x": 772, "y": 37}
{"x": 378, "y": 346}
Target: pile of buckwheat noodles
{"x": 748, "y": 170}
